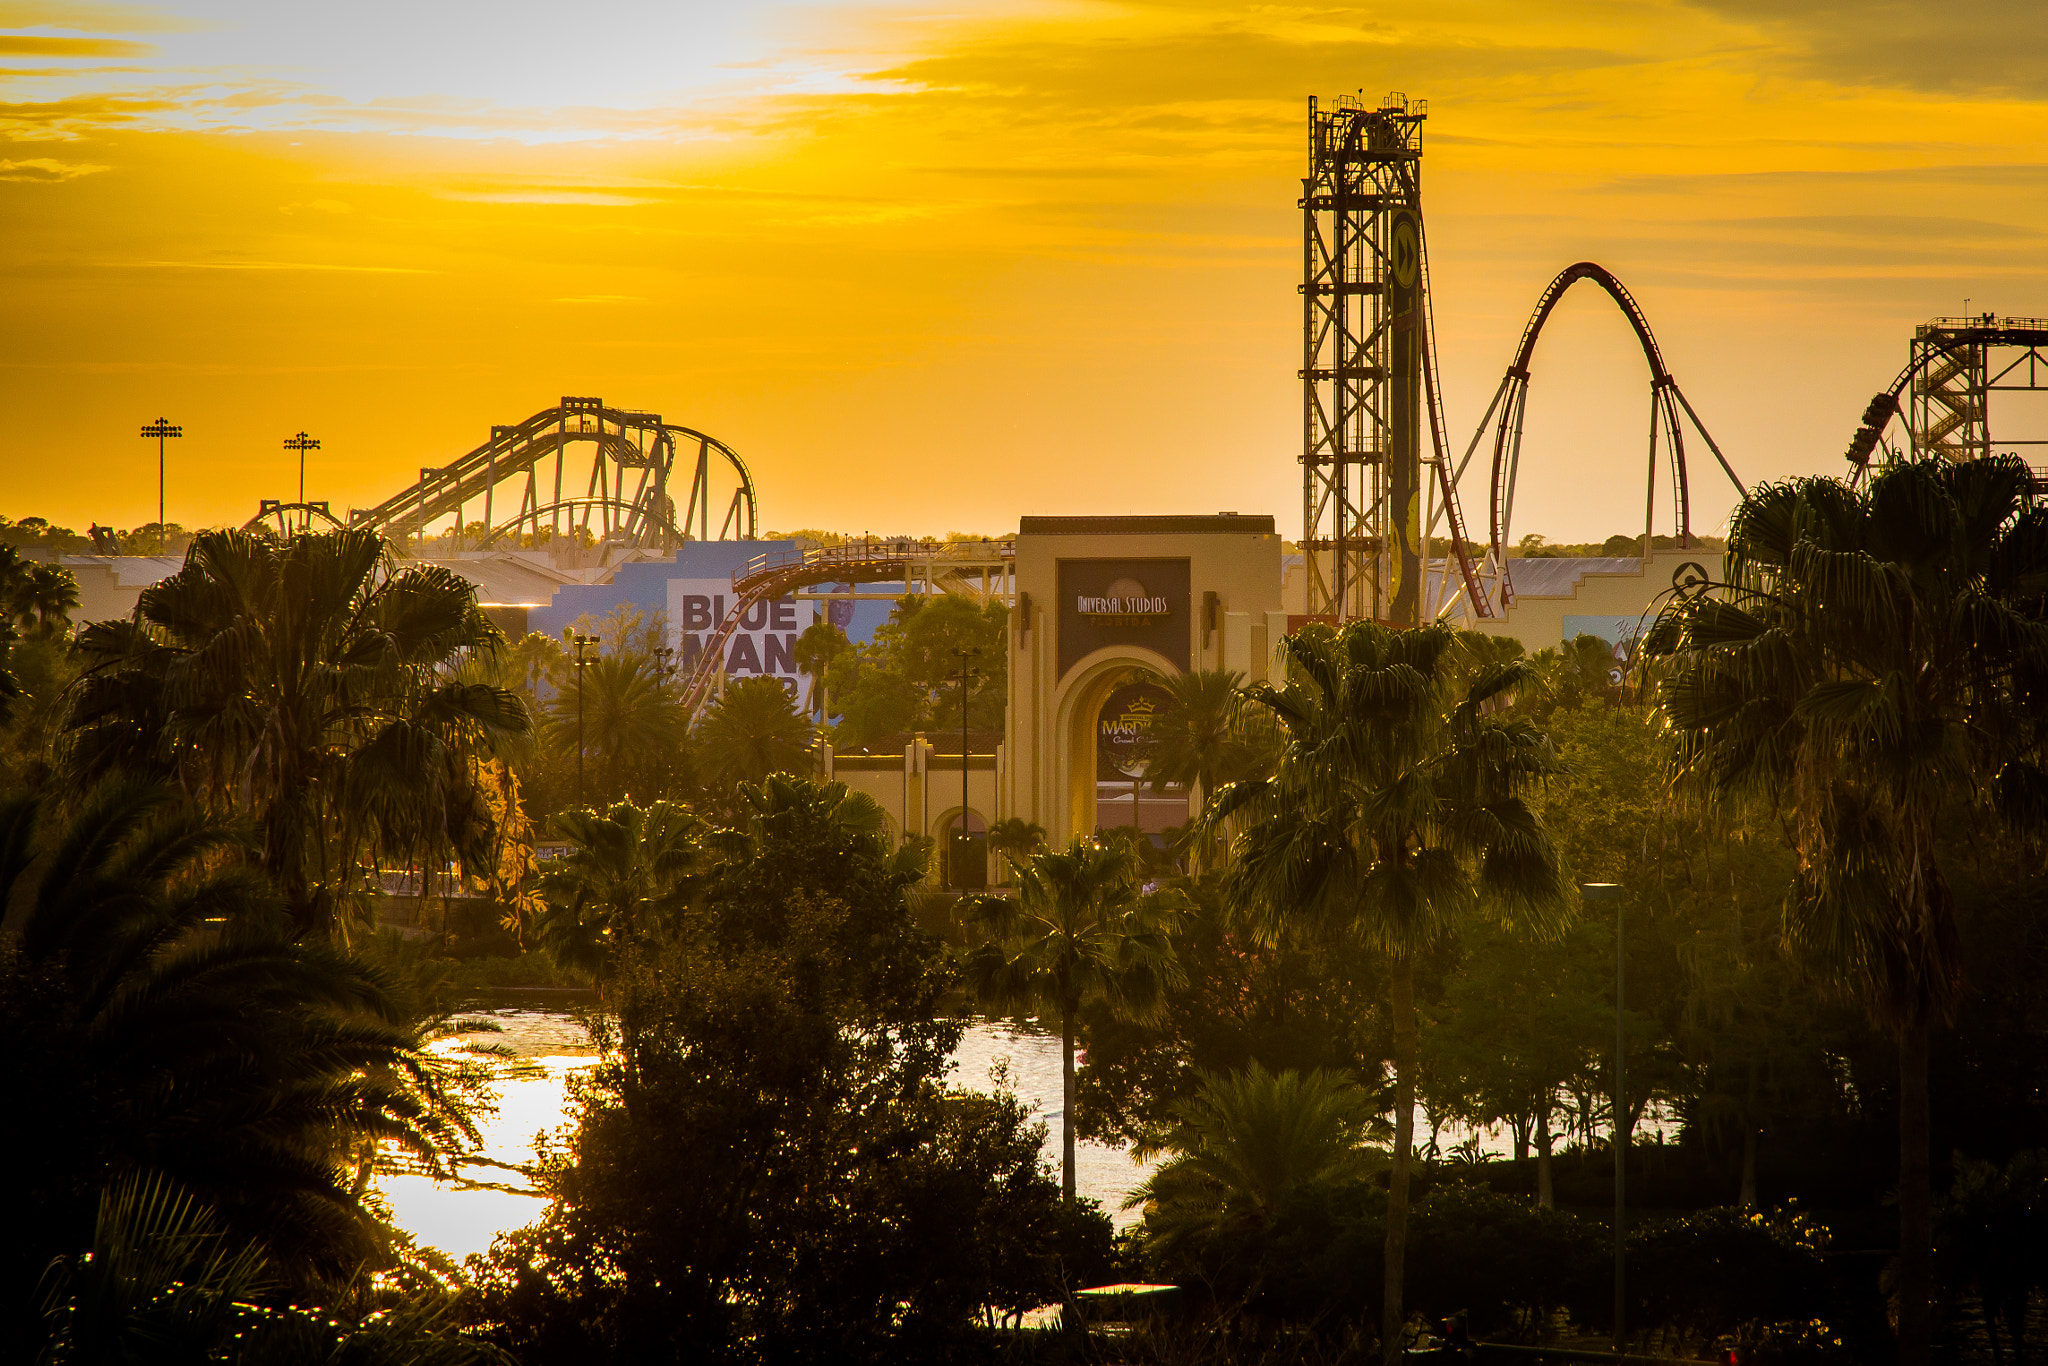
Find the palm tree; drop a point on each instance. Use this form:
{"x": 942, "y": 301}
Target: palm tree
{"x": 1016, "y": 839}
{"x": 1202, "y": 740}
{"x": 1079, "y": 931}
{"x": 1396, "y": 807}
{"x": 629, "y": 873}
{"x": 627, "y": 710}
{"x": 753, "y": 731}
{"x": 162, "y": 1017}
{"x": 820, "y": 644}
{"x": 1873, "y": 667}
{"x": 35, "y": 597}
{"x": 306, "y": 685}
{"x": 1247, "y": 1140}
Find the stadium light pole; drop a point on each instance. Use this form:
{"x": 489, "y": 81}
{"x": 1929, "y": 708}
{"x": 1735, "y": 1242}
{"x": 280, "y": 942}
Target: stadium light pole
{"x": 1606, "y": 893}
{"x": 582, "y": 642}
{"x": 302, "y": 443}
{"x": 163, "y": 430}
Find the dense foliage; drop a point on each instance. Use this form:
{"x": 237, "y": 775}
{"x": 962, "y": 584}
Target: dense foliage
{"x": 768, "y": 1165}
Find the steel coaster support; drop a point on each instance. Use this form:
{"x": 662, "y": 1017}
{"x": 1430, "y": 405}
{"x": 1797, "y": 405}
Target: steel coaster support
{"x": 624, "y": 440}
{"x": 1360, "y": 373}
{"x": 1445, "y": 486}
{"x": 1947, "y": 348}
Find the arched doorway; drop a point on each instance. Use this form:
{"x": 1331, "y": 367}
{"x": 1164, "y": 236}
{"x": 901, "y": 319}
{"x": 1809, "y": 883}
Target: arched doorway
{"x": 1079, "y": 786}
{"x": 1125, "y": 796}
{"x": 963, "y": 850}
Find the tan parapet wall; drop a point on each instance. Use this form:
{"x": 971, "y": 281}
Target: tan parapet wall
{"x": 1615, "y": 593}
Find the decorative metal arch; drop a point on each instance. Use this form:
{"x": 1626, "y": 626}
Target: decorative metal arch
{"x": 636, "y": 459}
{"x": 1504, "y": 417}
{"x": 272, "y": 515}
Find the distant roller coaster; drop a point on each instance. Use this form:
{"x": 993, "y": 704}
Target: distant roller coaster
{"x": 1369, "y": 375}
{"x": 1504, "y": 420}
{"x": 636, "y": 466}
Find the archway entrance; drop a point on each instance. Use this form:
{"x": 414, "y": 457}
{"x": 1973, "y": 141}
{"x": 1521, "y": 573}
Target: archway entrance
{"x": 964, "y": 851}
{"x": 1124, "y": 796}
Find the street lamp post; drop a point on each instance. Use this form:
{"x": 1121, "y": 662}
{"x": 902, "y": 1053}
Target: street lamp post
{"x": 966, "y": 674}
{"x": 302, "y": 443}
{"x": 163, "y": 431}
{"x": 582, "y": 643}
{"x": 1610, "y": 892}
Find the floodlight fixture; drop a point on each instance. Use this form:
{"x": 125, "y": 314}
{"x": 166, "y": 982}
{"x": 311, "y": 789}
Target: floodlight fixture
{"x": 162, "y": 430}
{"x": 302, "y": 443}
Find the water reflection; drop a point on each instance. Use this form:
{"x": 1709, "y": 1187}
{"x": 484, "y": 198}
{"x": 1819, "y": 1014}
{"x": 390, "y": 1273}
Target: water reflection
{"x": 548, "y": 1045}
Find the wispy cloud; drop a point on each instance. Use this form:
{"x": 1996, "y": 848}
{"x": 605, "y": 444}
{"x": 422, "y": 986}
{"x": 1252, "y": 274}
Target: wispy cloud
{"x": 273, "y": 265}
{"x": 47, "y": 170}
{"x": 36, "y": 45}
{"x": 82, "y": 17}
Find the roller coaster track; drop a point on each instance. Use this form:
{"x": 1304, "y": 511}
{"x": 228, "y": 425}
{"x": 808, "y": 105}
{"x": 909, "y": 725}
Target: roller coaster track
{"x": 1446, "y": 482}
{"x": 1945, "y": 351}
{"x": 1504, "y": 417}
{"x": 780, "y": 573}
{"x": 632, "y": 447}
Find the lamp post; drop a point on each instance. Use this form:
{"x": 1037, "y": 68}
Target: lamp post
{"x": 1605, "y": 893}
{"x": 582, "y": 643}
{"x": 966, "y": 675}
{"x": 163, "y": 431}
{"x": 302, "y": 443}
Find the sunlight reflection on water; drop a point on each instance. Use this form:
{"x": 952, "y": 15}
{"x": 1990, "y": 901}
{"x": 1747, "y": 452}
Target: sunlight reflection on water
{"x": 549, "y": 1044}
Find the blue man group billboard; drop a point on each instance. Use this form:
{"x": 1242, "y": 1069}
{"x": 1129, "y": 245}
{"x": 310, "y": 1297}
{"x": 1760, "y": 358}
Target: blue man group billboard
{"x": 764, "y": 646}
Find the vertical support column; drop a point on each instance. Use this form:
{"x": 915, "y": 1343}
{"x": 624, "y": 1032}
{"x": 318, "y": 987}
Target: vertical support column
{"x": 1404, "y": 449}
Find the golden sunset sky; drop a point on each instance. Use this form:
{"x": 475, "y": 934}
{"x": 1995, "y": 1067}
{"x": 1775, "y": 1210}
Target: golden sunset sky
{"x": 933, "y": 268}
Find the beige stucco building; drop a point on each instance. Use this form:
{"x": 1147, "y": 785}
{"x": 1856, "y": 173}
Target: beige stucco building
{"x": 1558, "y": 599}
{"x": 1106, "y": 605}
{"x": 1207, "y": 597}
{"x": 1105, "y": 608}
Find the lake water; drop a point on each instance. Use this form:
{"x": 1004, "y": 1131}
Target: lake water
{"x": 548, "y": 1045}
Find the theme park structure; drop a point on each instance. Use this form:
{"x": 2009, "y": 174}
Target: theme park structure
{"x": 978, "y": 569}
{"x": 1369, "y": 376}
{"x": 519, "y": 483}
{"x": 1953, "y": 366}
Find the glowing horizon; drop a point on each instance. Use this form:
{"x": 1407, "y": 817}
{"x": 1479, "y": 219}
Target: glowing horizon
{"x": 935, "y": 271}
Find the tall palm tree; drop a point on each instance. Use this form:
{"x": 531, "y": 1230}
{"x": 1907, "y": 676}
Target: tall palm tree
{"x": 1247, "y": 1140}
{"x": 622, "y": 708}
{"x": 753, "y": 731}
{"x": 161, "y": 1016}
{"x": 1078, "y": 931}
{"x": 38, "y": 598}
{"x": 1203, "y": 740}
{"x": 1395, "y": 809}
{"x": 1877, "y": 664}
{"x": 628, "y": 874}
{"x": 819, "y": 645}
{"x": 305, "y": 684}
{"x": 1016, "y": 839}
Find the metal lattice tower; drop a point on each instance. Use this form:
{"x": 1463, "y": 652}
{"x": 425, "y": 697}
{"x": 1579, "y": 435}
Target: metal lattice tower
{"x": 1949, "y": 392}
{"x": 1362, "y": 315}
{"x": 1953, "y": 367}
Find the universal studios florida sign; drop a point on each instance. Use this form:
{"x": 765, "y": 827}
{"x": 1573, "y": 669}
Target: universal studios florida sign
{"x": 1126, "y": 599}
